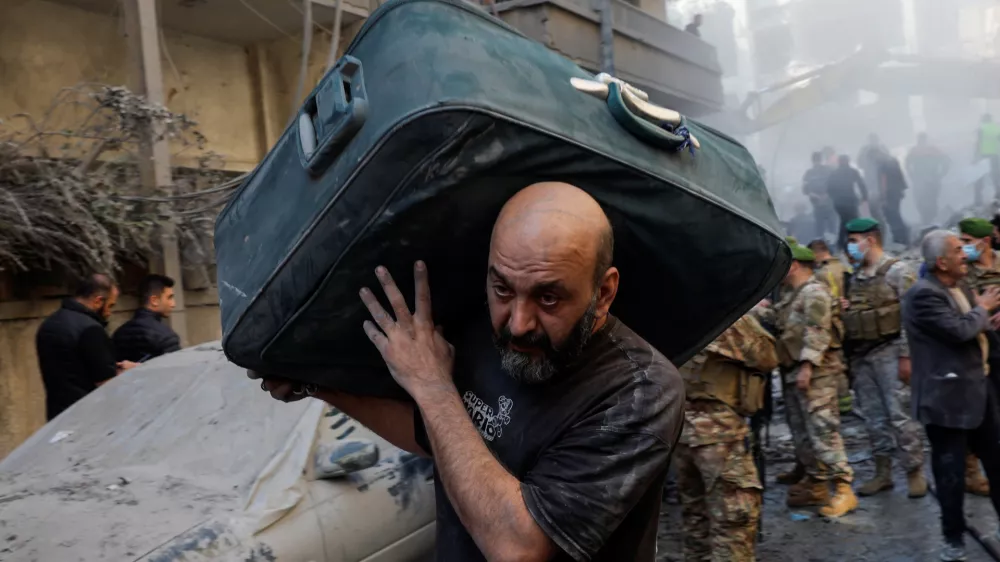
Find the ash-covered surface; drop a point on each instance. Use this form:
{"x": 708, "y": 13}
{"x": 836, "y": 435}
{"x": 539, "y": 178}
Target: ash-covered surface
{"x": 889, "y": 527}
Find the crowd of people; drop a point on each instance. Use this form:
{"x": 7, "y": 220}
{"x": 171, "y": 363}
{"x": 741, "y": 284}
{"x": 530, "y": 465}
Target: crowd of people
{"x": 872, "y": 319}
{"x": 75, "y": 353}
{"x": 839, "y": 191}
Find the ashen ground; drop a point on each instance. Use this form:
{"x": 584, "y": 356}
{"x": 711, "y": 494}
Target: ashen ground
{"x": 886, "y": 528}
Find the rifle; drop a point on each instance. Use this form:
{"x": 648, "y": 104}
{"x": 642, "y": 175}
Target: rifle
{"x": 760, "y": 422}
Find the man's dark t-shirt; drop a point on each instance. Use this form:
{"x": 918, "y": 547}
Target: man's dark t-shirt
{"x": 590, "y": 447}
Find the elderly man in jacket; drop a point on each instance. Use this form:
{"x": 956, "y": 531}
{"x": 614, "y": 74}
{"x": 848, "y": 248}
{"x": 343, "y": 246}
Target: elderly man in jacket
{"x": 946, "y": 324}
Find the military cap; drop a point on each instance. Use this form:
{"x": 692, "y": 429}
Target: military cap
{"x": 976, "y": 227}
{"x": 861, "y": 225}
{"x": 791, "y": 240}
{"x": 801, "y": 253}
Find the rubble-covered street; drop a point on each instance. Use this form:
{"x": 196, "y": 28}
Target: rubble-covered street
{"x": 888, "y": 527}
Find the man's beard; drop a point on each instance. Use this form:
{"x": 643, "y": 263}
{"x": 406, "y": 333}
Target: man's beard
{"x": 529, "y": 369}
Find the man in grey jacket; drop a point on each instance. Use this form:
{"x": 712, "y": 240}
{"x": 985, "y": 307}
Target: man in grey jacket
{"x": 946, "y": 324}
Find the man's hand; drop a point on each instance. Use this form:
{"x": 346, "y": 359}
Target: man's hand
{"x": 804, "y": 377}
{"x": 418, "y": 356}
{"x": 125, "y": 365}
{"x": 764, "y": 303}
{"x": 990, "y": 298}
{"x": 905, "y": 370}
{"x": 995, "y": 321}
{"x": 844, "y": 303}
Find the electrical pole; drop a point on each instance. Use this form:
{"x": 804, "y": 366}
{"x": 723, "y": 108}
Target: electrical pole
{"x": 146, "y": 77}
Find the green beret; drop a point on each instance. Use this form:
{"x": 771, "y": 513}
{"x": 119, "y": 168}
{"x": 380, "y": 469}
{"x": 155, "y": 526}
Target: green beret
{"x": 801, "y": 253}
{"x": 861, "y": 225}
{"x": 976, "y": 228}
{"x": 791, "y": 240}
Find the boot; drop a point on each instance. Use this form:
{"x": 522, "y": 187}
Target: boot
{"x": 843, "y": 501}
{"x": 809, "y": 492}
{"x": 882, "y": 479}
{"x": 793, "y": 476}
{"x": 916, "y": 483}
{"x": 975, "y": 483}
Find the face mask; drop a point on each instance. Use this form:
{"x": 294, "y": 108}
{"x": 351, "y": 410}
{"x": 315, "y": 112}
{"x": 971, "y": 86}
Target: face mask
{"x": 854, "y": 250}
{"x": 971, "y": 252}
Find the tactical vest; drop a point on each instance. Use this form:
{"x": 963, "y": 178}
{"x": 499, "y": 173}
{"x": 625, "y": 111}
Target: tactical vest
{"x": 874, "y": 314}
{"x": 708, "y": 376}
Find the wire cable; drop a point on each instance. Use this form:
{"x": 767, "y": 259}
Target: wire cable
{"x": 268, "y": 21}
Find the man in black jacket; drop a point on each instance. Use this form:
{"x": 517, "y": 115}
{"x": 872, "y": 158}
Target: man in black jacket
{"x": 146, "y": 335}
{"x": 843, "y": 186}
{"x": 946, "y": 324}
{"x": 75, "y": 354}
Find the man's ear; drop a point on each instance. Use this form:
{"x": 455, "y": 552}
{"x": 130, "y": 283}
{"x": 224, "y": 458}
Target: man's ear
{"x": 607, "y": 291}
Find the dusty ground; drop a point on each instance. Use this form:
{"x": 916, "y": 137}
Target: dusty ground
{"x": 887, "y": 528}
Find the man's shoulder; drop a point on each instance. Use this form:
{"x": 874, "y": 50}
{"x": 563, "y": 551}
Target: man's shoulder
{"x": 925, "y": 288}
{"x": 66, "y": 320}
{"x": 814, "y": 290}
{"x": 645, "y": 390}
{"x": 634, "y": 354}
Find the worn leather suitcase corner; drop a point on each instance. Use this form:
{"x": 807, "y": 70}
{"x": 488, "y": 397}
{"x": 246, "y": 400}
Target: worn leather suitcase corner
{"x": 436, "y": 115}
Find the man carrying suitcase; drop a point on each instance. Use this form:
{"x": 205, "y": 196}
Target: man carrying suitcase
{"x": 552, "y": 426}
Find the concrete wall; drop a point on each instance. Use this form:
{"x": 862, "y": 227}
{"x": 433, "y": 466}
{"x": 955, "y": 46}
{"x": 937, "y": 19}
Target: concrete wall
{"x": 241, "y": 96}
{"x": 22, "y": 396}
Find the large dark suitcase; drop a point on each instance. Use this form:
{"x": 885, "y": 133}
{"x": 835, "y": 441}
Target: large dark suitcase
{"x": 408, "y": 148}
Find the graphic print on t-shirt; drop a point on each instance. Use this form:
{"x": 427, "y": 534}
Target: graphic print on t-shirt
{"x": 489, "y": 423}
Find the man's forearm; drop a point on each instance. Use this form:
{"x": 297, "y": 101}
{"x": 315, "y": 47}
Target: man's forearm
{"x": 485, "y": 496}
{"x": 392, "y": 420}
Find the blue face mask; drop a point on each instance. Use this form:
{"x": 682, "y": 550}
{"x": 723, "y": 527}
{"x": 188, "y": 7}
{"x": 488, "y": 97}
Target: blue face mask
{"x": 854, "y": 250}
{"x": 971, "y": 252}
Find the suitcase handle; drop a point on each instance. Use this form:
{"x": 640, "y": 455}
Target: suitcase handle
{"x": 332, "y": 115}
{"x": 647, "y": 131}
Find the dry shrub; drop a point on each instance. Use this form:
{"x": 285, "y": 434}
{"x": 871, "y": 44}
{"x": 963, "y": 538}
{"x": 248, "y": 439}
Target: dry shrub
{"x": 71, "y": 195}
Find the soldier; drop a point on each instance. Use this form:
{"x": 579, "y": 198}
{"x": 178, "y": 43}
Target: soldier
{"x": 719, "y": 485}
{"x": 984, "y": 270}
{"x": 810, "y": 364}
{"x": 880, "y": 357}
{"x": 831, "y": 272}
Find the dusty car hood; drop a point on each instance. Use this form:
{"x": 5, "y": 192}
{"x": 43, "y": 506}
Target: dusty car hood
{"x": 172, "y": 449}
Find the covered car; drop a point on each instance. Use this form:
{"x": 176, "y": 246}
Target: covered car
{"x": 185, "y": 459}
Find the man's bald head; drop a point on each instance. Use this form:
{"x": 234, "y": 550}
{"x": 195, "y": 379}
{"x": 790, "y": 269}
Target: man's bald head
{"x": 550, "y": 282}
{"x": 547, "y": 215}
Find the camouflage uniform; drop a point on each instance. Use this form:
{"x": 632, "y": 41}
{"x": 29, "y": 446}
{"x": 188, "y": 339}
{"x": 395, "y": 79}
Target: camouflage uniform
{"x": 719, "y": 486}
{"x": 877, "y": 387}
{"x": 804, "y": 318}
{"x": 831, "y": 273}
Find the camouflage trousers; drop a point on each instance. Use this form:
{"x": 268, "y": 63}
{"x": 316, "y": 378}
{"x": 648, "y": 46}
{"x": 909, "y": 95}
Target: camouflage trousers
{"x": 720, "y": 499}
{"x": 814, "y": 420}
{"x": 880, "y": 396}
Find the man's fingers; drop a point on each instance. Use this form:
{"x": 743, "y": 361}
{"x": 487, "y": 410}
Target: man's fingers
{"x": 396, "y": 300}
{"x": 375, "y": 335}
{"x": 379, "y": 315}
{"x": 423, "y": 297}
